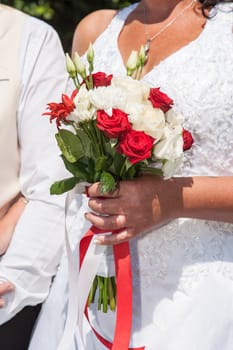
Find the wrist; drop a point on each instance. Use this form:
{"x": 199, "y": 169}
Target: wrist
{"x": 179, "y": 199}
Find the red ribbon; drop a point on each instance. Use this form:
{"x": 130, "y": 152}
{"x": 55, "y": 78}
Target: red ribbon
{"x": 124, "y": 292}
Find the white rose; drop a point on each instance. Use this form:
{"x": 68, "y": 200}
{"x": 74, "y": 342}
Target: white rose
{"x": 174, "y": 118}
{"x": 170, "y": 146}
{"x": 135, "y": 91}
{"x": 148, "y": 119}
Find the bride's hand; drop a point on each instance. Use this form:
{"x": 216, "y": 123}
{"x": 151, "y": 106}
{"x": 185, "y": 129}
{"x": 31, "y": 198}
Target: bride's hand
{"x": 134, "y": 208}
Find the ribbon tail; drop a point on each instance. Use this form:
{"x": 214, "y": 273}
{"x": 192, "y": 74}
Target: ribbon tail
{"x": 124, "y": 296}
{"x": 90, "y": 257}
{"x": 87, "y": 273}
{"x": 71, "y": 321}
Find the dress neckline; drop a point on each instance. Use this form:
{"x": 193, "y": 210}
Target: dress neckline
{"x": 170, "y": 57}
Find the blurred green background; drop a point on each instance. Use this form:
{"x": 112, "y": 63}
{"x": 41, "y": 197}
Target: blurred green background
{"x": 65, "y": 14}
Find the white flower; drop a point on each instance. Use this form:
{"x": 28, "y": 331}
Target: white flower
{"x": 135, "y": 91}
{"x": 84, "y": 110}
{"x": 106, "y": 98}
{"x": 70, "y": 66}
{"x": 90, "y": 53}
{"x": 148, "y": 119}
{"x": 170, "y": 146}
{"x": 131, "y": 63}
{"x": 174, "y": 118}
{"x": 80, "y": 66}
{"x": 171, "y": 166}
{"x": 142, "y": 56}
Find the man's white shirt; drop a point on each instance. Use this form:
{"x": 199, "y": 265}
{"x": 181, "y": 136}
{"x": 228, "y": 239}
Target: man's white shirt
{"x": 35, "y": 250}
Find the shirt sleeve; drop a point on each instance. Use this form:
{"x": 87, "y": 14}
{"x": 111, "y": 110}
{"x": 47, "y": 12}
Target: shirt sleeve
{"x": 35, "y": 250}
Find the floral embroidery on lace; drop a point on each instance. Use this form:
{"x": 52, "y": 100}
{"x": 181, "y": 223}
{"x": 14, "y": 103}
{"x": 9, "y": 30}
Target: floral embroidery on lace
{"x": 198, "y": 246}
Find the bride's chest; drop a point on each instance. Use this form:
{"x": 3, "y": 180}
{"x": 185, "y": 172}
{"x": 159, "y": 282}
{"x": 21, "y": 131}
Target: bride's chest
{"x": 199, "y": 79}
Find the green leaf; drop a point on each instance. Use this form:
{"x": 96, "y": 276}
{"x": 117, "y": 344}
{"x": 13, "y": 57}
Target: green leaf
{"x": 85, "y": 141}
{"x": 131, "y": 173}
{"x": 62, "y": 186}
{"x": 118, "y": 161}
{"x": 128, "y": 164}
{"x": 97, "y": 176}
{"x": 78, "y": 169}
{"x": 70, "y": 145}
{"x": 153, "y": 171}
{"x": 108, "y": 182}
{"x": 103, "y": 163}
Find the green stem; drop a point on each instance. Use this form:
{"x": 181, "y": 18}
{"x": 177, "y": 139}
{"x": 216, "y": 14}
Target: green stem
{"x": 105, "y": 294}
{"x": 76, "y": 83}
{"x": 89, "y": 83}
{"x": 90, "y": 76}
{"x": 139, "y": 72}
{"x": 100, "y": 285}
{"x": 89, "y": 129}
{"x": 111, "y": 293}
{"x": 97, "y": 138}
{"x": 100, "y": 140}
{"x": 91, "y": 296}
{"x": 85, "y": 128}
{"x": 123, "y": 170}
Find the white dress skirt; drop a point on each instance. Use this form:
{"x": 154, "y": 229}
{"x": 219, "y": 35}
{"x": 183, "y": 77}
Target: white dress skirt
{"x": 183, "y": 271}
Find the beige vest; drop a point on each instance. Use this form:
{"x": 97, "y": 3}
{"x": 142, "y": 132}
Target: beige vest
{"x": 11, "y": 24}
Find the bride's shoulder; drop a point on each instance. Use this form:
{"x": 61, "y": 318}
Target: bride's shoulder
{"x": 89, "y": 28}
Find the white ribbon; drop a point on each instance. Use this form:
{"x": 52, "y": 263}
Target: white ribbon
{"x": 79, "y": 285}
{"x": 87, "y": 274}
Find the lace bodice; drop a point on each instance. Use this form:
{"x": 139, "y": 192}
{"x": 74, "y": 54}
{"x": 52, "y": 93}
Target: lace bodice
{"x": 199, "y": 78}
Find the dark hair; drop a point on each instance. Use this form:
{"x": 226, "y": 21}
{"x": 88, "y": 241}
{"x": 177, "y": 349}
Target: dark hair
{"x": 207, "y": 4}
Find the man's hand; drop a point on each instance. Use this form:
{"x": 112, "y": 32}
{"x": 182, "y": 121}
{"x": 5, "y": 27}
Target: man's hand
{"x": 5, "y": 287}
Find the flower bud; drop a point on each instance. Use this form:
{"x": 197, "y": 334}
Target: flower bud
{"x": 142, "y": 56}
{"x": 80, "y": 66}
{"x": 90, "y": 54}
{"x": 70, "y": 67}
{"x": 131, "y": 64}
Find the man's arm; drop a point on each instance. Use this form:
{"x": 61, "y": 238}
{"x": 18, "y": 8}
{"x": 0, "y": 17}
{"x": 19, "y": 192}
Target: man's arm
{"x": 34, "y": 253}
{"x": 9, "y": 221}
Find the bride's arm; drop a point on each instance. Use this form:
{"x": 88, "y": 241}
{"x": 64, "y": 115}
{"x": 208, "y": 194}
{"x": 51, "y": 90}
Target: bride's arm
{"x": 89, "y": 28}
{"x": 148, "y": 202}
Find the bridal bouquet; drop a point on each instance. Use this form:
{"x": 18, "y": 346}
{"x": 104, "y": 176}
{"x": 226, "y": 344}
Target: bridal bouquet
{"x": 115, "y": 128}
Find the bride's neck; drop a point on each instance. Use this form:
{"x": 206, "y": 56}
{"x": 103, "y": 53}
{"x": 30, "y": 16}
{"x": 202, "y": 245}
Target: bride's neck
{"x": 161, "y": 9}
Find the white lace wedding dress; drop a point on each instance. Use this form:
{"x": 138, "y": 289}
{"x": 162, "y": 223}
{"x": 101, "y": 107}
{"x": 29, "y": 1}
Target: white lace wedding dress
{"x": 182, "y": 272}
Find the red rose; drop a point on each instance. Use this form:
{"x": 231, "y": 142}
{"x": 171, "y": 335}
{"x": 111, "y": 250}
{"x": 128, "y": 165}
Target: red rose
{"x": 60, "y": 111}
{"x": 188, "y": 140}
{"x": 136, "y": 145}
{"x": 160, "y": 100}
{"x": 101, "y": 79}
{"x": 113, "y": 126}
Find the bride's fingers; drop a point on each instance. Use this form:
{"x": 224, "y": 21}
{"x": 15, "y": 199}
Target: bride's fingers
{"x": 123, "y": 236}
{"x": 94, "y": 190}
{"x": 112, "y": 222}
{"x": 103, "y": 206}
